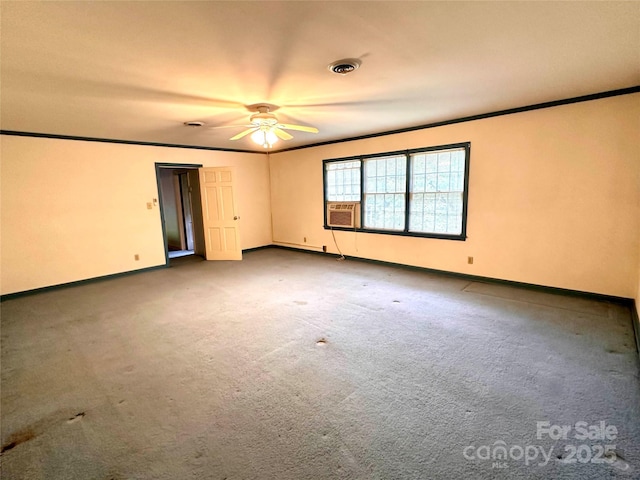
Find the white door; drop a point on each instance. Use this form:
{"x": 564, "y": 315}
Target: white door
{"x": 220, "y": 214}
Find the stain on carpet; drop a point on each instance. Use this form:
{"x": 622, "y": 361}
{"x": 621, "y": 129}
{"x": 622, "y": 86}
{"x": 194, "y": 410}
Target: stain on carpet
{"x": 76, "y": 417}
{"x": 30, "y": 432}
{"x": 17, "y": 438}
{"x": 618, "y": 461}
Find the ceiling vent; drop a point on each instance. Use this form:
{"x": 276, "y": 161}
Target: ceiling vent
{"x": 345, "y": 66}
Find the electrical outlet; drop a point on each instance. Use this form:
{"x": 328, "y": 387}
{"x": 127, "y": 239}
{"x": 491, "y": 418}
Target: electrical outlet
{"x": 305, "y": 239}
{"x": 136, "y": 257}
{"x": 470, "y": 260}
{"x": 324, "y": 248}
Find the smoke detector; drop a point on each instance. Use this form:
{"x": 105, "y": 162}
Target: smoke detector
{"x": 345, "y": 66}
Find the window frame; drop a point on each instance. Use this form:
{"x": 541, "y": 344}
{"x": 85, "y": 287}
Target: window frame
{"x": 462, "y": 236}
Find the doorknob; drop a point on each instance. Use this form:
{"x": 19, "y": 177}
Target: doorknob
{"x": 236, "y": 218}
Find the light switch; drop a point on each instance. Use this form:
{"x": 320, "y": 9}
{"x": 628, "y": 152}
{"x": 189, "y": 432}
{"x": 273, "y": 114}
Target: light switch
{"x": 149, "y": 206}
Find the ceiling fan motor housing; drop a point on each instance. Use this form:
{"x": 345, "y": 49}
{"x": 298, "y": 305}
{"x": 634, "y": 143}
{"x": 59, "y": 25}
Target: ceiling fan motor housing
{"x": 263, "y": 118}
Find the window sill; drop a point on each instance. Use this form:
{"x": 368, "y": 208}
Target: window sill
{"x": 442, "y": 236}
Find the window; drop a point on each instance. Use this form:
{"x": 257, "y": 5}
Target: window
{"x": 421, "y": 192}
{"x": 436, "y": 191}
{"x": 343, "y": 181}
{"x": 385, "y": 186}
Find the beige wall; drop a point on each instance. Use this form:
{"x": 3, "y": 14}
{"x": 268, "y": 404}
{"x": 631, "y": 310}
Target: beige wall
{"x": 73, "y": 210}
{"x": 553, "y": 198}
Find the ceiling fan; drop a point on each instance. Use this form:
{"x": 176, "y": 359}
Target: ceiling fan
{"x": 265, "y": 129}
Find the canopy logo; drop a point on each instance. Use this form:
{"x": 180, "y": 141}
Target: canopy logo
{"x": 499, "y": 453}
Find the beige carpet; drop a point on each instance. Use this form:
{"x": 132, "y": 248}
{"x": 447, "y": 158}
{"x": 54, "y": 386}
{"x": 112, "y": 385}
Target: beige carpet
{"x": 295, "y": 366}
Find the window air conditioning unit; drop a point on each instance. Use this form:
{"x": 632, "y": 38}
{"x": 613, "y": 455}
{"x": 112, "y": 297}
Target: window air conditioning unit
{"x": 343, "y": 214}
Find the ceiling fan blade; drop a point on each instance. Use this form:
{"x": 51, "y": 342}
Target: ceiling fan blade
{"x": 332, "y": 104}
{"x": 282, "y": 134}
{"x": 242, "y": 134}
{"x": 138, "y": 93}
{"x": 230, "y": 126}
{"x": 300, "y": 128}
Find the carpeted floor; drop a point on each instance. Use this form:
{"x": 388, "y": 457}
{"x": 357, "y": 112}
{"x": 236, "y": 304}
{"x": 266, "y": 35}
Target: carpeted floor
{"x": 296, "y": 366}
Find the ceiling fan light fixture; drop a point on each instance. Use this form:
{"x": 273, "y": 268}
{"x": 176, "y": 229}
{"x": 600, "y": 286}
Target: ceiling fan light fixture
{"x": 265, "y": 137}
{"x": 345, "y": 66}
{"x": 265, "y": 130}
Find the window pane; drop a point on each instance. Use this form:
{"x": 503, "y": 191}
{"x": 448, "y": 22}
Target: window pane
{"x": 370, "y": 185}
{"x": 432, "y": 182}
{"x": 385, "y": 185}
{"x": 443, "y": 181}
{"x": 418, "y": 164}
{"x": 384, "y": 211}
{"x": 436, "y": 199}
{"x": 431, "y": 163}
{"x": 343, "y": 181}
{"x": 444, "y": 161}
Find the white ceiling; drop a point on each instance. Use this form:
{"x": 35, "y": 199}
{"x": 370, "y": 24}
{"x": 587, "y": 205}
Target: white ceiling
{"x": 137, "y": 70}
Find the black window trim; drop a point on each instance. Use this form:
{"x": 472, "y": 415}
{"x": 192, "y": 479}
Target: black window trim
{"x": 407, "y": 153}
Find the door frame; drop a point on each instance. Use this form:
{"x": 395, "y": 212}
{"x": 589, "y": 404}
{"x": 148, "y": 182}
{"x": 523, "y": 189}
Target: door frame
{"x": 171, "y": 166}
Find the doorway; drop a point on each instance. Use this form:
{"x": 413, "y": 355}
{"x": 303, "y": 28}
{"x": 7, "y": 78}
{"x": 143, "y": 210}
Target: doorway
{"x": 180, "y": 209}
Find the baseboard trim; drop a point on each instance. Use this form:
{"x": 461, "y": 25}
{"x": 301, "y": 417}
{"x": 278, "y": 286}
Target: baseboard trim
{"x": 628, "y": 302}
{"x": 304, "y": 250}
{"x": 255, "y": 249}
{"x": 60, "y": 286}
{"x": 635, "y": 321}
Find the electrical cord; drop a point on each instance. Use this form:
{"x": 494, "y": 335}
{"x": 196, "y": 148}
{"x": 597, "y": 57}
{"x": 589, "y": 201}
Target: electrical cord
{"x": 341, "y": 257}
